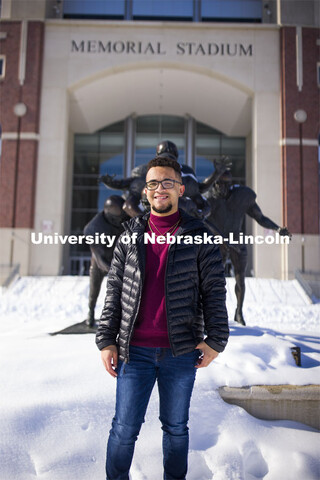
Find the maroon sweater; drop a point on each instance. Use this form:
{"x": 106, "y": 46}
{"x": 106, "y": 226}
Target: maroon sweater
{"x": 151, "y": 324}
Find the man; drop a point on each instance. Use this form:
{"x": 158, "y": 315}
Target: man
{"x": 108, "y": 221}
{"x": 229, "y": 205}
{"x": 159, "y": 300}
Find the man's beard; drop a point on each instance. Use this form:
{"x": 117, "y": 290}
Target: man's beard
{"x": 162, "y": 210}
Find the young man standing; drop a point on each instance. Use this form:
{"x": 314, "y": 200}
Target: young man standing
{"x": 160, "y": 299}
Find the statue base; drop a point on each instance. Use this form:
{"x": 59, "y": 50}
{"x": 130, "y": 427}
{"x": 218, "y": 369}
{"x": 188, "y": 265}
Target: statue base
{"x": 77, "y": 328}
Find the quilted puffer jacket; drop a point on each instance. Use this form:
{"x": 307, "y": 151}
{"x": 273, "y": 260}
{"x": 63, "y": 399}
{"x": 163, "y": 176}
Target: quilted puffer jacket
{"x": 194, "y": 291}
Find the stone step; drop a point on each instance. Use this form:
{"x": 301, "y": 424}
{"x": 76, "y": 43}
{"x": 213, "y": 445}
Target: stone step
{"x": 277, "y": 402}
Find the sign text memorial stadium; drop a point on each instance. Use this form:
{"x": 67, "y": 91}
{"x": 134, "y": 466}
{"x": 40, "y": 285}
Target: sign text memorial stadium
{"x": 156, "y": 48}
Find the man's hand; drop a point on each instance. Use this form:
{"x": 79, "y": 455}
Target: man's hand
{"x": 109, "y": 356}
{"x": 208, "y": 354}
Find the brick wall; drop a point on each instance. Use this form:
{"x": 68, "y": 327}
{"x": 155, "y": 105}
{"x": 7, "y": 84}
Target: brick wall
{"x": 307, "y": 99}
{"x": 19, "y": 155}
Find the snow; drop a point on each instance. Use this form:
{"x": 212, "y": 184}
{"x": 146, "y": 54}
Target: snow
{"x": 57, "y": 402}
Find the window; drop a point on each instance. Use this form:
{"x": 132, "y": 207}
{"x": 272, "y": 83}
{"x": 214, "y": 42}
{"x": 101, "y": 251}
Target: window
{"x": 162, "y": 9}
{"x": 2, "y": 66}
{"x": 151, "y": 130}
{"x": 94, "y": 9}
{"x": 210, "y": 145}
{"x": 166, "y": 10}
{"x": 95, "y": 155}
{"x": 103, "y": 152}
{"x": 231, "y": 10}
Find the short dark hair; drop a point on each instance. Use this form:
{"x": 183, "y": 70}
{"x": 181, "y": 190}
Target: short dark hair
{"x": 162, "y": 161}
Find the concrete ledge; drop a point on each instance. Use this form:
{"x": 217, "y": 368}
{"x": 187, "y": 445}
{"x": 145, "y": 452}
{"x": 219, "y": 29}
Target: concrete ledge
{"x": 277, "y": 402}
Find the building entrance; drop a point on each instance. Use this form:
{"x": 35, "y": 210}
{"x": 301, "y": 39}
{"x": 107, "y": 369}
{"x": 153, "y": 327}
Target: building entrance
{"x": 119, "y": 147}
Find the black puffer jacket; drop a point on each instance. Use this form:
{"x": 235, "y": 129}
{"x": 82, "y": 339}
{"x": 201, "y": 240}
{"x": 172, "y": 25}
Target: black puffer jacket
{"x": 194, "y": 290}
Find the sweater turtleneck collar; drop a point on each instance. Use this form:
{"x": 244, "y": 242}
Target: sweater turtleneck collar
{"x": 166, "y": 221}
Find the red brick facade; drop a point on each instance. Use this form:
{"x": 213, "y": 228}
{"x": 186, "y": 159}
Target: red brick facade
{"x": 19, "y": 157}
{"x": 307, "y": 99}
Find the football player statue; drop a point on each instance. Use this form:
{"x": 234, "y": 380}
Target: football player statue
{"x": 108, "y": 222}
{"x": 192, "y": 200}
{"x": 229, "y": 204}
{"x": 134, "y": 187}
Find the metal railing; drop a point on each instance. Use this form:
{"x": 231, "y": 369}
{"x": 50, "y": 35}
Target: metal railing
{"x": 79, "y": 264}
{"x": 310, "y": 282}
{"x": 8, "y": 274}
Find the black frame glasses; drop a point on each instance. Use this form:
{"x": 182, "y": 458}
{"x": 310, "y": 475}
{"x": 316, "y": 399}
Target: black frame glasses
{"x": 166, "y": 184}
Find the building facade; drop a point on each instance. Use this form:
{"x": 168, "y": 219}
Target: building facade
{"x": 92, "y": 87}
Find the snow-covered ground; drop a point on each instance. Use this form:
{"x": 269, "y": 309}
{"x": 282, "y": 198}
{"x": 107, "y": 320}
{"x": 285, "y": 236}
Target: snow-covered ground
{"x": 57, "y": 402}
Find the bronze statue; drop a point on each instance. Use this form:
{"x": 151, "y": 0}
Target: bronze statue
{"x": 229, "y": 204}
{"x": 223, "y": 211}
{"x": 108, "y": 222}
{"x": 134, "y": 185}
{"x": 192, "y": 201}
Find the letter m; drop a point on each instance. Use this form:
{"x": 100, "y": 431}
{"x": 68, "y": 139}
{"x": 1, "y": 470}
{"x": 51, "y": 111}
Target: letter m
{"x": 247, "y": 51}
{"x": 77, "y": 48}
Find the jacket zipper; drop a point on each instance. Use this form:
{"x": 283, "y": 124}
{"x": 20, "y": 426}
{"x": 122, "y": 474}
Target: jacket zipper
{"x": 165, "y": 295}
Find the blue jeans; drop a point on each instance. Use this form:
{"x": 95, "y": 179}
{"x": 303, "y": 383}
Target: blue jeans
{"x": 135, "y": 381}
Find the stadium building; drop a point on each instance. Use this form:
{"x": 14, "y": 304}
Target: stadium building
{"x": 89, "y": 87}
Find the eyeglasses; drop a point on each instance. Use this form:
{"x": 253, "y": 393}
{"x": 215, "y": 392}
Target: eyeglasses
{"x": 166, "y": 184}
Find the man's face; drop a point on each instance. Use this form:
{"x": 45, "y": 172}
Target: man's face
{"x": 164, "y": 201}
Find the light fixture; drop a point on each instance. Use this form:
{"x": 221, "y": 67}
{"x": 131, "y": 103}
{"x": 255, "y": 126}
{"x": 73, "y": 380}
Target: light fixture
{"x": 300, "y": 116}
{"x": 20, "y": 109}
